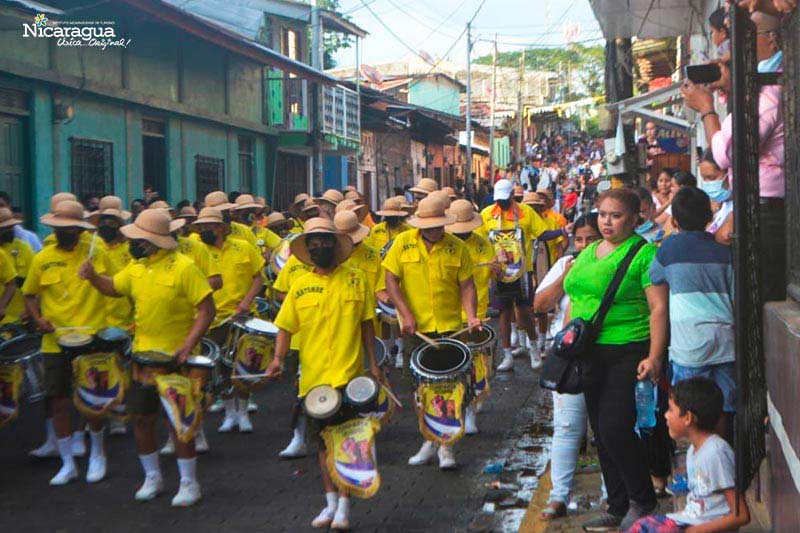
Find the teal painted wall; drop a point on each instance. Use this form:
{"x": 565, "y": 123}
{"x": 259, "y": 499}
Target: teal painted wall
{"x": 435, "y": 93}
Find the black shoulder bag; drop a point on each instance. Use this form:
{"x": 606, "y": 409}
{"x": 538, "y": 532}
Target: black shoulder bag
{"x": 562, "y": 368}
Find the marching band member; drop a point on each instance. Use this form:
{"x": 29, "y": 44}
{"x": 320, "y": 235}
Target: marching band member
{"x": 332, "y": 309}
{"x": 506, "y": 215}
{"x": 173, "y": 309}
{"x": 363, "y": 257}
{"x": 295, "y": 212}
{"x": 279, "y": 224}
{"x": 57, "y": 299}
{"x": 8, "y": 279}
{"x": 238, "y": 230}
{"x": 241, "y": 266}
{"x": 355, "y": 195}
{"x": 20, "y": 256}
{"x": 54, "y": 201}
{"x": 423, "y": 188}
{"x": 427, "y": 265}
{"x": 328, "y": 201}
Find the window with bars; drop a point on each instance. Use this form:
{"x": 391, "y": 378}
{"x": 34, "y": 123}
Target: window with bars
{"x": 91, "y": 167}
{"x": 246, "y": 164}
{"x": 209, "y": 173}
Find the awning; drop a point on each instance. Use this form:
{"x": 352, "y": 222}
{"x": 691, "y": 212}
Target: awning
{"x": 647, "y": 105}
{"x": 649, "y": 18}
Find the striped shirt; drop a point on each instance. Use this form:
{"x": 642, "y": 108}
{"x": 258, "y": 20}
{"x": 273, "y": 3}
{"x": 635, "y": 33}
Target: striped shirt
{"x": 699, "y": 273}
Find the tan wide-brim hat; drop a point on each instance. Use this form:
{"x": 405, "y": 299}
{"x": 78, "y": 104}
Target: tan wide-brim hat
{"x": 59, "y": 197}
{"x": 309, "y": 204}
{"x": 443, "y": 197}
{"x": 153, "y": 226}
{"x": 547, "y": 192}
{"x": 159, "y": 204}
{"x": 67, "y": 214}
{"x": 392, "y": 207}
{"x": 350, "y": 205}
{"x": 533, "y": 198}
{"x": 430, "y": 214}
{"x": 110, "y": 206}
{"x": 425, "y": 186}
{"x": 347, "y": 222}
{"x": 219, "y": 200}
{"x": 209, "y": 215}
{"x": 321, "y": 226}
{"x": 188, "y": 212}
{"x": 246, "y": 201}
{"x": 277, "y": 222}
{"x": 7, "y": 218}
{"x": 300, "y": 198}
{"x": 467, "y": 219}
{"x": 451, "y": 192}
{"x": 332, "y": 196}
{"x": 352, "y": 194}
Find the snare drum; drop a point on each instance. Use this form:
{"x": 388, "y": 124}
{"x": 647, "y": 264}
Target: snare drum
{"x": 74, "y": 344}
{"x": 362, "y": 393}
{"x": 262, "y": 307}
{"x": 480, "y": 342}
{"x": 203, "y": 366}
{"x": 280, "y": 255}
{"x": 387, "y": 313}
{"x": 148, "y": 365}
{"x": 11, "y": 330}
{"x": 450, "y": 361}
{"x": 322, "y": 403}
{"x": 381, "y": 352}
{"x": 25, "y": 351}
{"x": 114, "y": 340}
{"x": 250, "y": 349}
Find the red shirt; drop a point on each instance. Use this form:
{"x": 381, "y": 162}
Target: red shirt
{"x": 570, "y": 200}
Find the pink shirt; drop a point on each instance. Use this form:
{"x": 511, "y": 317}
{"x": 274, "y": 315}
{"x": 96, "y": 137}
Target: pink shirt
{"x": 770, "y": 151}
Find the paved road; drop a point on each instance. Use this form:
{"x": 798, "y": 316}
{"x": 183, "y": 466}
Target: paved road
{"x": 245, "y": 485}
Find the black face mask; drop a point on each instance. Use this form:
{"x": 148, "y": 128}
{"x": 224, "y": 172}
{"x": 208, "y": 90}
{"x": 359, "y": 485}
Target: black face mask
{"x": 208, "y": 237}
{"x": 66, "y": 240}
{"x": 323, "y": 256}
{"x": 504, "y": 204}
{"x": 108, "y": 233}
{"x": 226, "y": 217}
{"x": 7, "y": 237}
{"x": 463, "y": 236}
{"x": 137, "y": 249}
{"x": 518, "y": 199}
{"x": 393, "y": 222}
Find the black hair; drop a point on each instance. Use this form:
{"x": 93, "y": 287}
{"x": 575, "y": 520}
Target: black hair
{"x": 691, "y": 208}
{"x": 685, "y": 179}
{"x": 645, "y": 196}
{"x": 183, "y": 203}
{"x": 233, "y": 195}
{"x": 703, "y": 398}
{"x": 589, "y": 219}
{"x": 708, "y": 157}
{"x": 5, "y": 196}
{"x": 139, "y": 200}
{"x": 717, "y": 20}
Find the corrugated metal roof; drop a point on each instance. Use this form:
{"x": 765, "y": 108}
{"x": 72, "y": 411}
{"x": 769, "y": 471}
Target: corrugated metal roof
{"x": 650, "y": 18}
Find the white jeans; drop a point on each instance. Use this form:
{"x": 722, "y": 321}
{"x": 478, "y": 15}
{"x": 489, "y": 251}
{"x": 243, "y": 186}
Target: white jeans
{"x": 569, "y": 427}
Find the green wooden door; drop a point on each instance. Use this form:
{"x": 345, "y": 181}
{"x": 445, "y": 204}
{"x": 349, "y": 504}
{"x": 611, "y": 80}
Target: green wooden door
{"x": 12, "y": 157}
{"x": 275, "y": 97}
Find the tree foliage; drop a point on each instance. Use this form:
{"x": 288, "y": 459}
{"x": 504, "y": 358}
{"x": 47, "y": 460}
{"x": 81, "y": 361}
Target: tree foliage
{"x": 332, "y": 42}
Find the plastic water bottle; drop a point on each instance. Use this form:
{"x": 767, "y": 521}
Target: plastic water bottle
{"x": 645, "y": 404}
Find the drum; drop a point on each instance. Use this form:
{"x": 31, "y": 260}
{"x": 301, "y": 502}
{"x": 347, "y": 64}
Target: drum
{"x": 115, "y": 340}
{"x": 148, "y": 365}
{"x": 322, "y": 402}
{"x": 386, "y": 313}
{"x": 451, "y": 360}
{"x": 250, "y": 348}
{"x": 482, "y": 346}
{"x": 509, "y": 249}
{"x": 74, "y": 344}
{"x": 262, "y": 307}
{"x": 25, "y": 351}
{"x": 280, "y": 255}
{"x": 362, "y": 393}
{"x": 242, "y": 327}
{"x": 11, "y": 330}
{"x": 203, "y": 366}
{"x": 381, "y": 352}
{"x": 482, "y": 341}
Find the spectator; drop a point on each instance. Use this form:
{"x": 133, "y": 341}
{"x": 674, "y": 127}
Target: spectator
{"x": 717, "y": 188}
{"x": 137, "y": 206}
{"x": 720, "y": 35}
{"x": 21, "y": 233}
{"x": 649, "y": 229}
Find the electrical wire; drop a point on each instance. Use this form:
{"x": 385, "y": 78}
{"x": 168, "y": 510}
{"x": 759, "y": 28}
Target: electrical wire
{"x": 414, "y": 18}
{"x": 390, "y": 30}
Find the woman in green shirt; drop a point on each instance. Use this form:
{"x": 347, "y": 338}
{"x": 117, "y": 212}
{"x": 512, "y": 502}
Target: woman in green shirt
{"x": 629, "y": 347}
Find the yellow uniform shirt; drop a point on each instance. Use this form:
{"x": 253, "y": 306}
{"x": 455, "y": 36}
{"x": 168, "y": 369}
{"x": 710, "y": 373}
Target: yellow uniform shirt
{"x": 86, "y": 237}
{"x": 297, "y": 226}
{"x": 166, "y": 289}
{"x": 241, "y": 231}
{"x": 239, "y": 262}
{"x": 555, "y": 244}
{"x": 20, "y": 256}
{"x": 556, "y": 217}
{"x": 481, "y": 252}
{"x": 381, "y": 234}
{"x": 529, "y": 222}
{"x": 65, "y": 299}
{"x": 119, "y": 311}
{"x": 198, "y": 252}
{"x": 431, "y": 282}
{"x": 266, "y": 239}
{"x": 368, "y": 260}
{"x": 327, "y": 312}
{"x": 7, "y": 270}
{"x": 291, "y": 271}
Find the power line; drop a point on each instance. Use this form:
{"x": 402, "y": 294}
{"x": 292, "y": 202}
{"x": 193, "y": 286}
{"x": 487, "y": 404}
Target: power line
{"x": 414, "y": 18}
{"x": 456, "y": 10}
{"x": 390, "y": 30}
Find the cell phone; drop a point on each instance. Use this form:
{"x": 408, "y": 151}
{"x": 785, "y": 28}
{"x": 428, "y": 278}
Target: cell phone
{"x": 706, "y": 73}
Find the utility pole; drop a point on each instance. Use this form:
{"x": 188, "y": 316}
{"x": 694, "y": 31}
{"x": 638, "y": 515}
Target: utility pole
{"x": 492, "y": 109}
{"x": 317, "y": 95}
{"x": 468, "y": 185}
{"x": 519, "y": 105}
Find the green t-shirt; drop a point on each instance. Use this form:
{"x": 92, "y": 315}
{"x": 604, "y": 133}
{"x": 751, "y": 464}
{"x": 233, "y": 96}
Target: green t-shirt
{"x": 628, "y": 320}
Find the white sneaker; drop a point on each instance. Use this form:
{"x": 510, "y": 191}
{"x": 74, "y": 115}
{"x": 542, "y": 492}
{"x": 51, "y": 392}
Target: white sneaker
{"x": 217, "y": 406}
{"x": 425, "y": 454}
{"x": 200, "y": 441}
{"x": 168, "y": 448}
{"x": 514, "y": 337}
{"x": 45, "y": 451}
{"x": 245, "y": 426}
{"x": 252, "y": 407}
{"x": 398, "y": 360}
{"x": 479, "y": 408}
{"x": 516, "y": 352}
{"x": 470, "y": 425}
{"x": 296, "y": 448}
{"x": 228, "y": 423}
{"x": 78, "y": 445}
{"x": 188, "y": 494}
{"x": 117, "y": 427}
{"x": 97, "y": 469}
{"x": 152, "y": 487}
{"x": 65, "y": 475}
{"x": 447, "y": 458}
{"x": 536, "y": 359}
{"x": 341, "y": 520}
{"x": 323, "y": 519}
{"x": 507, "y": 364}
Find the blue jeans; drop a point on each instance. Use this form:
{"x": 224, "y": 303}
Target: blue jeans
{"x": 723, "y": 374}
{"x": 569, "y": 427}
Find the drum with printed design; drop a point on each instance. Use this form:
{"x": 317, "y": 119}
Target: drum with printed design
{"x": 149, "y": 364}
{"x": 21, "y": 370}
{"x": 280, "y": 255}
{"x": 115, "y": 340}
{"x": 249, "y": 351}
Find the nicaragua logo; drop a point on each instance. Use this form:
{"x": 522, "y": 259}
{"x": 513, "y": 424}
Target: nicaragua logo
{"x": 80, "y": 33}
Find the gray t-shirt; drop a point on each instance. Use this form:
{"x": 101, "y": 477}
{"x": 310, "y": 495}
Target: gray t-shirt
{"x": 710, "y": 472}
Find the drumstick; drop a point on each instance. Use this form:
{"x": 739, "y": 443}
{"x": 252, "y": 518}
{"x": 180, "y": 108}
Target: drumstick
{"x": 459, "y": 332}
{"x": 249, "y": 376}
{"x": 391, "y": 395}
{"x": 72, "y": 328}
{"x": 91, "y": 246}
{"x": 427, "y": 339}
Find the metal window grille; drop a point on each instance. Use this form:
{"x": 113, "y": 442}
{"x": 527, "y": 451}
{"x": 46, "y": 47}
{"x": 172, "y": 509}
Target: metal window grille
{"x": 246, "y": 164}
{"x": 92, "y": 167}
{"x": 209, "y": 173}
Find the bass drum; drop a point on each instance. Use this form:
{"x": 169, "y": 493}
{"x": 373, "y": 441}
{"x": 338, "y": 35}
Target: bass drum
{"x": 451, "y": 360}
{"x": 25, "y": 351}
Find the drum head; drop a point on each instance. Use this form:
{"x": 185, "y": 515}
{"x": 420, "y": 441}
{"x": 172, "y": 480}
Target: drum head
{"x": 361, "y": 390}
{"x": 322, "y": 402}
{"x": 255, "y": 325}
{"x": 20, "y": 347}
{"x": 112, "y": 335}
{"x": 387, "y": 309}
{"x": 478, "y": 339}
{"x": 262, "y": 306}
{"x": 209, "y": 349}
{"x": 381, "y": 352}
{"x": 450, "y": 358}
{"x": 153, "y": 358}
{"x": 200, "y": 361}
{"x": 74, "y": 340}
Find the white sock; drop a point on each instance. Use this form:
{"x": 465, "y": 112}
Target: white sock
{"x": 300, "y": 429}
{"x": 188, "y": 470}
{"x": 399, "y": 343}
{"x": 230, "y": 407}
{"x": 523, "y": 338}
{"x": 50, "y": 430}
{"x": 514, "y": 328}
{"x": 97, "y": 444}
{"x": 242, "y": 405}
{"x": 507, "y": 351}
{"x": 333, "y": 500}
{"x": 78, "y": 435}
{"x": 65, "y": 451}
{"x": 344, "y": 505}
{"x": 150, "y": 464}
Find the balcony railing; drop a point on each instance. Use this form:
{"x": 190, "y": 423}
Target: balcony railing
{"x": 340, "y": 113}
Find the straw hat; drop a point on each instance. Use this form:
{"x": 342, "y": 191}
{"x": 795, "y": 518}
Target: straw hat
{"x": 219, "y": 200}
{"x": 425, "y": 186}
{"x": 67, "y": 214}
{"x": 7, "y": 218}
{"x": 332, "y": 196}
{"x": 347, "y": 223}
{"x": 153, "y": 226}
{"x": 246, "y": 201}
{"x": 209, "y": 215}
{"x": 60, "y": 197}
{"x": 308, "y": 205}
{"x": 451, "y": 192}
{"x": 159, "y": 204}
{"x": 467, "y": 219}
{"x": 349, "y": 205}
{"x": 430, "y": 214}
{"x": 300, "y": 198}
{"x": 392, "y": 207}
{"x": 110, "y": 206}
{"x": 352, "y": 194}
{"x": 441, "y": 196}
{"x": 187, "y": 212}
{"x": 276, "y": 221}
{"x": 321, "y": 226}
{"x": 533, "y": 198}
{"x": 546, "y": 192}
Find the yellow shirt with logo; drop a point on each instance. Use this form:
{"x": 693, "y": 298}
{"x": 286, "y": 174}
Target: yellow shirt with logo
{"x": 327, "y": 312}
{"x": 119, "y": 311}
{"x": 239, "y": 262}
{"x": 244, "y": 232}
{"x": 266, "y": 239}
{"x": 431, "y": 281}
{"x": 368, "y": 260}
{"x": 297, "y": 226}
{"x": 166, "y": 289}
{"x": 86, "y": 237}
{"x": 531, "y": 224}
{"x": 65, "y": 299}
{"x": 291, "y": 271}
{"x": 7, "y": 270}
{"x": 556, "y": 217}
{"x": 381, "y": 234}
{"x": 20, "y": 255}
{"x": 481, "y": 252}
{"x": 198, "y": 252}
